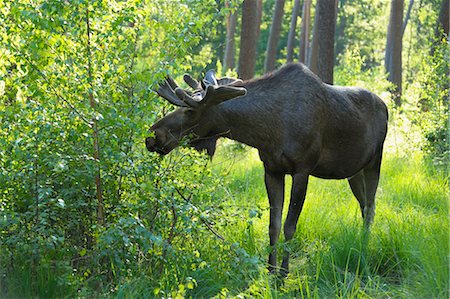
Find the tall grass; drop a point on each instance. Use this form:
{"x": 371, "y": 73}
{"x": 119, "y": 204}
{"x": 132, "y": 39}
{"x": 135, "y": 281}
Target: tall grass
{"x": 405, "y": 254}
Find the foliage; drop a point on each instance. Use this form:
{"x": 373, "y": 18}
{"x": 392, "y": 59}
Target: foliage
{"x": 434, "y": 105}
{"x": 359, "y": 27}
{"x": 172, "y": 226}
{"x": 51, "y": 66}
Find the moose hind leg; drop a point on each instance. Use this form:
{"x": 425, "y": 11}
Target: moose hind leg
{"x": 298, "y": 193}
{"x": 275, "y": 191}
{"x": 371, "y": 177}
{"x": 358, "y": 186}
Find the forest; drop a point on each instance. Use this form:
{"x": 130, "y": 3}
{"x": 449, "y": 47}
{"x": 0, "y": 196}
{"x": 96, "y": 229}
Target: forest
{"x": 86, "y": 211}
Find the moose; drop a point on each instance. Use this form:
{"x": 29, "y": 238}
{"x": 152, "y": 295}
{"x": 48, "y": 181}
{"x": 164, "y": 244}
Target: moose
{"x": 301, "y": 127}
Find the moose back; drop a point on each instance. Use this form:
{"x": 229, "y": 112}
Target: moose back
{"x": 300, "y": 126}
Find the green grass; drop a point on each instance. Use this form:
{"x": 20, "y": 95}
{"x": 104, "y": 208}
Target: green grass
{"x": 406, "y": 254}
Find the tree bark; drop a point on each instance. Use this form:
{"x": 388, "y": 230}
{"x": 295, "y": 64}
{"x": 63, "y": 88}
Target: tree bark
{"x": 304, "y": 33}
{"x": 259, "y": 6}
{"x": 312, "y": 55}
{"x": 228, "y": 59}
{"x": 443, "y": 20}
{"x": 324, "y": 28}
{"x": 274, "y": 36}
{"x": 247, "y": 53}
{"x": 341, "y": 24}
{"x": 408, "y": 15}
{"x": 291, "y": 36}
{"x": 393, "y": 56}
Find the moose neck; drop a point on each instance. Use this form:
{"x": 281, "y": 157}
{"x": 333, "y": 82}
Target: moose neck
{"x": 246, "y": 119}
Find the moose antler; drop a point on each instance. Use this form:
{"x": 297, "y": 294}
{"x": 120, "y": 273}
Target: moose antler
{"x": 165, "y": 91}
{"x": 211, "y": 91}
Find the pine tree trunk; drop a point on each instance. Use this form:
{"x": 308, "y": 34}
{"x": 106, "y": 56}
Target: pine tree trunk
{"x": 313, "y": 50}
{"x": 393, "y": 59}
{"x": 291, "y": 36}
{"x": 443, "y": 20}
{"x": 274, "y": 36}
{"x": 340, "y": 30}
{"x": 304, "y": 33}
{"x": 323, "y": 40}
{"x": 247, "y": 53}
{"x": 228, "y": 60}
{"x": 408, "y": 15}
{"x": 259, "y": 6}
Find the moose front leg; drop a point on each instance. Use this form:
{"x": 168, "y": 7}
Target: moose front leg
{"x": 275, "y": 191}
{"x": 298, "y": 192}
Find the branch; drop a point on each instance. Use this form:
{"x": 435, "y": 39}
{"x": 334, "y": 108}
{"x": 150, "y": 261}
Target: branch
{"x": 208, "y": 226}
{"x": 98, "y": 179}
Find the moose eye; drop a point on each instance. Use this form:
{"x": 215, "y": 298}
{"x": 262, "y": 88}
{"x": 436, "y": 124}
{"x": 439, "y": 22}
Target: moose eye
{"x": 190, "y": 112}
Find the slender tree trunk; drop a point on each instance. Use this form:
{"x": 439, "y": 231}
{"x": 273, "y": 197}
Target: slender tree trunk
{"x": 441, "y": 32}
{"x": 408, "y": 15}
{"x": 393, "y": 59}
{"x": 98, "y": 180}
{"x": 247, "y": 53}
{"x": 443, "y": 21}
{"x": 228, "y": 60}
{"x": 259, "y": 6}
{"x": 274, "y": 36}
{"x": 313, "y": 50}
{"x": 291, "y": 36}
{"x": 389, "y": 40}
{"x": 340, "y": 31}
{"x": 324, "y": 28}
{"x": 36, "y": 253}
{"x": 304, "y": 33}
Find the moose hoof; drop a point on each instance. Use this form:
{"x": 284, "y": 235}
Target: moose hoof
{"x": 283, "y": 273}
{"x": 272, "y": 269}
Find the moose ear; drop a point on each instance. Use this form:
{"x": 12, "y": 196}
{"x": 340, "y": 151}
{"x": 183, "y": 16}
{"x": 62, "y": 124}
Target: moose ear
{"x": 210, "y": 78}
{"x": 217, "y": 94}
{"x": 229, "y": 81}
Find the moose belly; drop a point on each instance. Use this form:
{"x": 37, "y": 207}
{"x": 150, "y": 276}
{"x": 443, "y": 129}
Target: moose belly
{"x": 340, "y": 165}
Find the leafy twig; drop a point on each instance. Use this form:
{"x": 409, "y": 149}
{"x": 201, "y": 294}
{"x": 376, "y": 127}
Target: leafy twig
{"x": 208, "y": 226}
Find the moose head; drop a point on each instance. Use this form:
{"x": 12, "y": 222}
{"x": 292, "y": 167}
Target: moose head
{"x": 192, "y": 115}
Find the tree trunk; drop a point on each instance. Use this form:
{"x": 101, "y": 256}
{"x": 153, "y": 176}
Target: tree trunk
{"x": 247, "y": 53}
{"x": 259, "y": 6}
{"x": 274, "y": 36}
{"x": 443, "y": 21}
{"x": 304, "y": 33}
{"x": 291, "y": 36}
{"x": 408, "y": 15}
{"x": 312, "y": 55}
{"x": 393, "y": 56}
{"x": 228, "y": 59}
{"x": 340, "y": 30}
{"x": 323, "y": 40}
